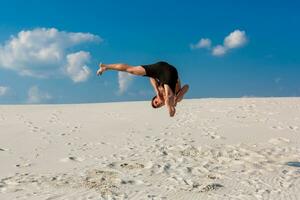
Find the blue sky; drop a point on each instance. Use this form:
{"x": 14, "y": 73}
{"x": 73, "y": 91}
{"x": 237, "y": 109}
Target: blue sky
{"x": 55, "y": 58}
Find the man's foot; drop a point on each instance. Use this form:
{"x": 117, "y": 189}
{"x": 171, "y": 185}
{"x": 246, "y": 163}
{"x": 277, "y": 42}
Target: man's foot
{"x": 101, "y": 69}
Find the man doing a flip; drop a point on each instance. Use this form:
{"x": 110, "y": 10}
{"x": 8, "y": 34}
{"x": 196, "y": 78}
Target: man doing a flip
{"x": 163, "y": 77}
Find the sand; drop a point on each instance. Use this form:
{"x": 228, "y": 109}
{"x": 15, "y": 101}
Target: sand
{"x": 243, "y": 148}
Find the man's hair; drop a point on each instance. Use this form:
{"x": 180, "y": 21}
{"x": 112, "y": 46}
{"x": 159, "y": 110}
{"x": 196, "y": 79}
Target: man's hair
{"x": 152, "y": 102}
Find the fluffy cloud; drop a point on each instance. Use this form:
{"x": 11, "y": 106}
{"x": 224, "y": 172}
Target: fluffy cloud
{"x": 3, "y": 90}
{"x": 219, "y": 50}
{"x": 203, "y": 43}
{"x": 124, "y": 80}
{"x": 76, "y": 67}
{"x": 37, "y": 96}
{"x": 43, "y": 52}
{"x": 234, "y": 40}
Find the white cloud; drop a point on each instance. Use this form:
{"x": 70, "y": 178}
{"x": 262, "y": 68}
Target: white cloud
{"x": 124, "y": 80}
{"x": 76, "y": 67}
{"x": 203, "y": 43}
{"x": 41, "y": 52}
{"x": 219, "y": 50}
{"x": 235, "y": 39}
{"x": 3, "y": 90}
{"x": 37, "y": 96}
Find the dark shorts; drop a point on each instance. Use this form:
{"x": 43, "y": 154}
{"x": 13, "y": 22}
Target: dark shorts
{"x": 163, "y": 72}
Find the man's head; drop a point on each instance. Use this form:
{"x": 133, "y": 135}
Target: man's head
{"x": 156, "y": 102}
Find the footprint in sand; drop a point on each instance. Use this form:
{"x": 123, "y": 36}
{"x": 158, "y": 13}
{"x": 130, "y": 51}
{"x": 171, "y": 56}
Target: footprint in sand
{"x": 291, "y": 127}
{"x": 277, "y": 127}
{"x": 3, "y": 149}
{"x": 212, "y": 135}
{"x": 32, "y": 128}
{"x": 129, "y": 165}
{"x": 54, "y": 118}
{"x": 294, "y": 128}
{"x": 23, "y": 165}
{"x": 104, "y": 182}
{"x": 278, "y": 141}
{"x": 167, "y": 133}
{"x": 210, "y": 187}
{"x": 75, "y": 129}
{"x": 240, "y": 117}
{"x": 72, "y": 159}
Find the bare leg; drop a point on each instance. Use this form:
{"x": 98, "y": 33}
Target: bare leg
{"x": 136, "y": 70}
{"x": 178, "y": 86}
{"x": 181, "y": 93}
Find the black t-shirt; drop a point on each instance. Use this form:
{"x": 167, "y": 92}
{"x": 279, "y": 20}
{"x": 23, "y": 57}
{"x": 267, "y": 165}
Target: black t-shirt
{"x": 163, "y": 72}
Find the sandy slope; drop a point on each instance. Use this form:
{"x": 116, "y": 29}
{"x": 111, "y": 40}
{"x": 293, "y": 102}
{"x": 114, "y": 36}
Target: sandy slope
{"x": 212, "y": 149}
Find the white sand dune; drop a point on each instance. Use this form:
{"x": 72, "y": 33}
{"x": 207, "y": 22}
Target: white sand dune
{"x": 246, "y": 148}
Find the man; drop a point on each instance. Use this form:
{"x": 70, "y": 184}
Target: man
{"x": 163, "y": 77}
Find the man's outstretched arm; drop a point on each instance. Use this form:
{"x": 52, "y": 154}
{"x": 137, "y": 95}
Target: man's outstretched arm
{"x": 135, "y": 70}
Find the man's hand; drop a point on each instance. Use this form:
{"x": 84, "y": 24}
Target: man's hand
{"x": 172, "y": 111}
{"x": 170, "y": 105}
{"x": 169, "y": 101}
